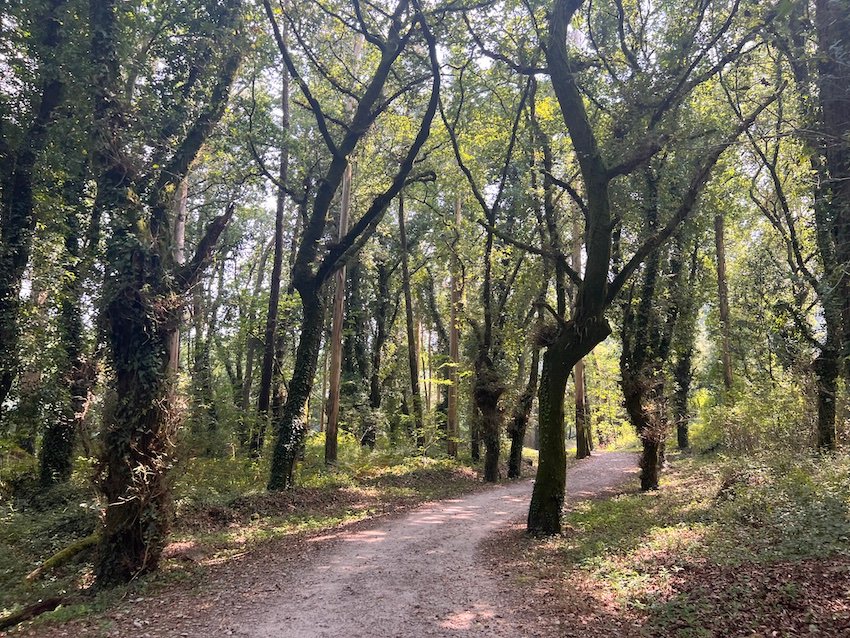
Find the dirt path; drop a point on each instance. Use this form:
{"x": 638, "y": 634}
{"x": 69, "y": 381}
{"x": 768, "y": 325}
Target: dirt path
{"x": 423, "y": 573}
{"x": 418, "y": 575}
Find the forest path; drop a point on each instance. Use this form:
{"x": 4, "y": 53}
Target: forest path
{"x": 418, "y": 575}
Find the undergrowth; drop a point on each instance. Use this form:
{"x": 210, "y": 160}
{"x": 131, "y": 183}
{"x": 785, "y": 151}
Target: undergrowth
{"x": 725, "y": 548}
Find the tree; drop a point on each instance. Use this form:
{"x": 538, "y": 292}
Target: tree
{"x": 575, "y": 338}
{"x": 311, "y": 270}
{"x": 145, "y": 287}
{"x": 17, "y": 177}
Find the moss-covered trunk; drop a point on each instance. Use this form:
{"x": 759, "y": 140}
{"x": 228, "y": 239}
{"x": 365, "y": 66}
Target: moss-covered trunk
{"x": 572, "y": 343}
{"x": 290, "y": 427}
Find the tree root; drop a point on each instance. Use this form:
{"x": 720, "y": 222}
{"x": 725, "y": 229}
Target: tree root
{"x": 28, "y": 613}
{"x": 63, "y": 556}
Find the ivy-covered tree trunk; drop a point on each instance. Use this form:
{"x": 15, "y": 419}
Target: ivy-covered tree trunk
{"x": 138, "y": 422}
{"x": 291, "y": 427}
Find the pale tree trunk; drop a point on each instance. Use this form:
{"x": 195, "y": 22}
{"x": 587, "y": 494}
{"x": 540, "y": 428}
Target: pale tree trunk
{"x": 452, "y": 429}
{"x": 723, "y": 300}
{"x": 332, "y": 423}
{"x": 583, "y": 444}
{"x": 582, "y": 423}
{"x": 251, "y": 342}
{"x": 178, "y": 254}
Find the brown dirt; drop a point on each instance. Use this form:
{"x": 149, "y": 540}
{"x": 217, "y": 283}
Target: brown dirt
{"x": 420, "y": 574}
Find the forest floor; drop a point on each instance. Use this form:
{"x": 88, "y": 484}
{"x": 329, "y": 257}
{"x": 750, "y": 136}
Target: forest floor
{"x": 416, "y": 574}
{"x": 730, "y": 547}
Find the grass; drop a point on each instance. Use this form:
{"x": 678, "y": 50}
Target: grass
{"x": 726, "y": 548}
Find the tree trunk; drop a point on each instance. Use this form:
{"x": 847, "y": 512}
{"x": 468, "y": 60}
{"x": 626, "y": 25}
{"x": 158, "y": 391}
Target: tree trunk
{"x": 826, "y": 374}
{"x": 682, "y": 376}
{"x": 832, "y": 23}
{"x": 292, "y": 427}
{"x": 17, "y": 203}
{"x": 269, "y": 340}
{"x": 573, "y": 342}
{"x": 651, "y": 460}
{"x": 474, "y": 429}
{"x": 452, "y": 429}
{"x": 244, "y": 432}
{"x": 644, "y": 399}
{"x": 582, "y": 425}
{"x": 178, "y": 254}
{"x": 204, "y": 412}
{"x": 522, "y": 411}
{"x": 381, "y": 318}
{"x": 723, "y": 301}
{"x": 332, "y": 423}
{"x": 138, "y": 427}
{"x": 142, "y": 299}
{"x": 488, "y": 390}
{"x": 412, "y": 345}
{"x": 57, "y": 445}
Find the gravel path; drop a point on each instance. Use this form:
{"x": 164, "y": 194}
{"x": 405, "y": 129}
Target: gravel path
{"x": 418, "y": 575}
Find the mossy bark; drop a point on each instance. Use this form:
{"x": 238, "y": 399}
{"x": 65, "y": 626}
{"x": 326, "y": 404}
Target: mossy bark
{"x": 291, "y": 427}
{"x": 573, "y": 342}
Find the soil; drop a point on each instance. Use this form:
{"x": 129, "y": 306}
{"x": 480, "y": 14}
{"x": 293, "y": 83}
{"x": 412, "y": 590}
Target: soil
{"x": 420, "y": 574}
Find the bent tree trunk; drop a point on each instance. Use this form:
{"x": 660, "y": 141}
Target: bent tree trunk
{"x": 291, "y": 428}
{"x": 573, "y": 342}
